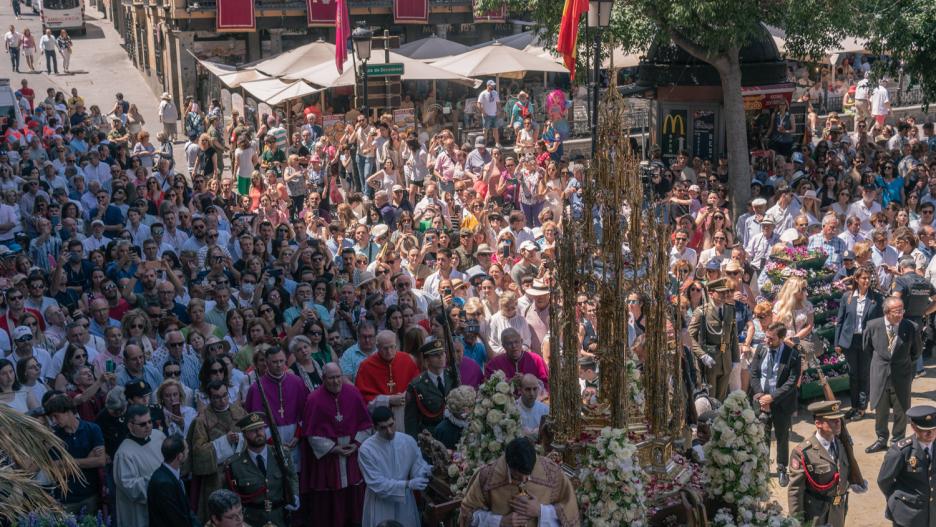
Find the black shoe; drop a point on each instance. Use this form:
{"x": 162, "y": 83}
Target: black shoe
{"x": 878, "y": 446}
{"x": 782, "y": 478}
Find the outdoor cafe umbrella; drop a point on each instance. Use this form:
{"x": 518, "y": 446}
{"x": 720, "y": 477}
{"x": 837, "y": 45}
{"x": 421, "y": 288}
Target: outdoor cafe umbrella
{"x": 431, "y": 48}
{"x": 305, "y": 56}
{"x": 497, "y": 60}
{"x": 327, "y": 76}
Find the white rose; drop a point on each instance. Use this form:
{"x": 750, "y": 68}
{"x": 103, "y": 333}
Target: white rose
{"x": 499, "y": 399}
{"x": 494, "y": 446}
{"x": 503, "y": 387}
{"x": 494, "y": 417}
{"x": 748, "y": 415}
{"x": 453, "y": 471}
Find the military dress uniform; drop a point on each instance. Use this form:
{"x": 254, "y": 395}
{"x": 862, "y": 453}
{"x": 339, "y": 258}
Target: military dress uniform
{"x": 818, "y": 491}
{"x": 713, "y": 332}
{"x": 260, "y": 488}
{"x": 425, "y": 398}
{"x": 908, "y": 475}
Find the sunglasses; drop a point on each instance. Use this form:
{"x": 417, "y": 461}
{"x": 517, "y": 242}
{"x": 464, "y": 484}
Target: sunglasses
{"x": 173, "y": 373}
{"x": 216, "y": 370}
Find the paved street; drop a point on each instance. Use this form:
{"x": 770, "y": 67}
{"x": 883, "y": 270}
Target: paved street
{"x": 865, "y": 510}
{"x": 99, "y": 64}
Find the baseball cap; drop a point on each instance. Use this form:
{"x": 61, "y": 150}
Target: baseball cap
{"x": 22, "y": 333}
{"x": 528, "y": 246}
{"x": 491, "y": 83}
{"x": 479, "y": 141}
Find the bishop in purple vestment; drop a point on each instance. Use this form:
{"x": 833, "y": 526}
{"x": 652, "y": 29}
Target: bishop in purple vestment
{"x": 515, "y": 361}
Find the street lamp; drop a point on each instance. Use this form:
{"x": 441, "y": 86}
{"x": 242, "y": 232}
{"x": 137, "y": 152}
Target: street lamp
{"x": 362, "y": 38}
{"x": 599, "y": 16}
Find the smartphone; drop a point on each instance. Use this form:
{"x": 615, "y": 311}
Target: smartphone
{"x": 110, "y": 366}
{"x": 505, "y": 252}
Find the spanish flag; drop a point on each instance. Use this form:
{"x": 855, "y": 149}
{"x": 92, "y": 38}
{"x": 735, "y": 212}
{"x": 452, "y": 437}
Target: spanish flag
{"x": 568, "y": 32}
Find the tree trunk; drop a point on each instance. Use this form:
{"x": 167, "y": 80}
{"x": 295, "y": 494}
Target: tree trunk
{"x": 739, "y": 164}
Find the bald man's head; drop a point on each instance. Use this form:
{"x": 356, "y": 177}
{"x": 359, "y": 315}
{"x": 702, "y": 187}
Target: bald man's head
{"x": 332, "y": 378}
{"x": 529, "y": 389}
{"x": 387, "y": 345}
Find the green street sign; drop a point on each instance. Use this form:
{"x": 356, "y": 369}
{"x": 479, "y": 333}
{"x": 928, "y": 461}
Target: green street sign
{"x": 385, "y": 70}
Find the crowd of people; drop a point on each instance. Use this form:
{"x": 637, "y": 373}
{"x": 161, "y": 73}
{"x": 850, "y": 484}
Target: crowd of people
{"x": 343, "y": 295}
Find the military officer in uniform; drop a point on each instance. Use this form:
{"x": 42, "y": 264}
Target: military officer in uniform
{"x": 715, "y": 337}
{"x": 425, "y": 395}
{"x": 256, "y": 476}
{"x": 818, "y": 490}
{"x": 916, "y": 292}
{"x": 908, "y": 474}
{"x": 139, "y": 392}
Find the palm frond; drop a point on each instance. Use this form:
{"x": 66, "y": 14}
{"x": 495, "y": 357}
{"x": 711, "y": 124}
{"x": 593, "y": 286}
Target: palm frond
{"x": 28, "y": 448}
{"x": 21, "y": 495}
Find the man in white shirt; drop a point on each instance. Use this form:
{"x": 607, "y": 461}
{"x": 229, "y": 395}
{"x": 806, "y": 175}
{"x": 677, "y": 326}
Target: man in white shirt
{"x": 865, "y": 207}
{"x": 47, "y": 45}
{"x": 487, "y": 105}
{"x": 880, "y": 103}
{"x": 885, "y": 259}
{"x": 784, "y": 210}
{"x": 680, "y": 251}
{"x": 12, "y": 41}
{"x": 852, "y": 233}
{"x": 532, "y": 410}
{"x": 862, "y": 99}
{"x": 759, "y": 245}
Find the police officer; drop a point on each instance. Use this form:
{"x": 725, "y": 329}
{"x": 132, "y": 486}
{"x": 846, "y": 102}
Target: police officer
{"x": 818, "y": 490}
{"x": 425, "y": 395}
{"x": 908, "y": 474}
{"x": 139, "y": 392}
{"x": 916, "y": 293}
{"x": 714, "y": 336}
{"x": 256, "y": 476}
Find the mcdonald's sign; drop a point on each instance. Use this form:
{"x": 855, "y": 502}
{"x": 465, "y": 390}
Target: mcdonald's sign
{"x": 674, "y": 121}
{"x": 673, "y": 133}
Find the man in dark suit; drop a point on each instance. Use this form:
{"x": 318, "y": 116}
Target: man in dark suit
{"x": 896, "y": 344}
{"x": 774, "y": 371}
{"x": 168, "y": 504}
{"x": 856, "y": 308}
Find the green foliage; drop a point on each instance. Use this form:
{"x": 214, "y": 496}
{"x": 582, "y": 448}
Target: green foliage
{"x": 906, "y": 32}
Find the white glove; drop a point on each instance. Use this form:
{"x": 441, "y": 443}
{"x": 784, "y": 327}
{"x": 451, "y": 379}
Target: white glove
{"x": 294, "y": 506}
{"x": 418, "y": 483}
{"x": 860, "y": 489}
{"x": 708, "y": 361}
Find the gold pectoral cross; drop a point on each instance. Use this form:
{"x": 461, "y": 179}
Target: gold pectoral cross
{"x": 282, "y": 412}
{"x": 339, "y": 417}
{"x": 391, "y": 385}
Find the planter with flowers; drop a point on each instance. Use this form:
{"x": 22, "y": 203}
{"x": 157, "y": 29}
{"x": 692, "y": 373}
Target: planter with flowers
{"x": 493, "y": 423}
{"x": 762, "y": 515}
{"x": 835, "y": 368}
{"x": 611, "y": 492}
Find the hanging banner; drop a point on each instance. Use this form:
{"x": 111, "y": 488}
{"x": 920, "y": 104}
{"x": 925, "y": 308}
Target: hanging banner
{"x": 492, "y": 16}
{"x": 405, "y": 119}
{"x": 411, "y": 11}
{"x": 236, "y": 15}
{"x": 772, "y": 96}
{"x": 321, "y": 13}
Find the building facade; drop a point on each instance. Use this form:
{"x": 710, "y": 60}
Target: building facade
{"x": 163, "y": 37}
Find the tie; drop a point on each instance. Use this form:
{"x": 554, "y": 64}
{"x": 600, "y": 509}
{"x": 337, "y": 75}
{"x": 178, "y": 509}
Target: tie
{"x": 890, "y": 337}
{"x": 833, "y": 449}
{"x": 440, "y": 384}
{"x": 261, "y": 465}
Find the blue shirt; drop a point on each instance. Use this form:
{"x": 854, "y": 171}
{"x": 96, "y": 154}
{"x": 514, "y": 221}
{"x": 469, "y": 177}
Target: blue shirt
{"x": 769, "y": 369}
{"x": 86, "y": 438}
{"x": 890, "y": 191}
{"x": 351, "y": 360}
{"x": 834, "y": 248}
{"x": 475, "y": 352}
{"x": 151, "y": 375}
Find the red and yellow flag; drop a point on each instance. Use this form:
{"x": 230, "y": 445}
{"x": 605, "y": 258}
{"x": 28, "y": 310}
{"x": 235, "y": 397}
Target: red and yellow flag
{"x": 568, "y": 32}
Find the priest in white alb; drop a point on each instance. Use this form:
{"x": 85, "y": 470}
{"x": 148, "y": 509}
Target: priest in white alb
{"x": 393, "y": 468}
{"x": 137, "y": 457}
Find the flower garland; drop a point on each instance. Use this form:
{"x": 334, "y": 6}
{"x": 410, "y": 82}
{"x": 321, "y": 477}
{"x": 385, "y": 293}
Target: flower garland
{"x": 493, "y": 423}
{"x": 736, "y": 458}
{"x": 763, "y": 515}
{"x": 611, "y": 492}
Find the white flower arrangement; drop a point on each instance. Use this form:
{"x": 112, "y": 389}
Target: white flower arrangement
{"x": 611, "y": 492}
{"x": 494, "y": 422}
{"x": 635, "y": 393}
{"x": 762, "y": 515}
{"x": 736, "y": 458}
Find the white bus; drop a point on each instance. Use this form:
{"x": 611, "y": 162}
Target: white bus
{"x": 62, "y": 14}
